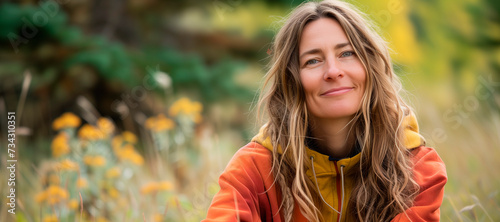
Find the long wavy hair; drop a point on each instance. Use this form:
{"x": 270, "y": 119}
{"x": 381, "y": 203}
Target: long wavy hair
{"x": 384, "y": 184}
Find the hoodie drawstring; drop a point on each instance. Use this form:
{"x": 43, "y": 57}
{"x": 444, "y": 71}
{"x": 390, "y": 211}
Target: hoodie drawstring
{"x": 319, "y": 191}
{"x": 342, "y": 178}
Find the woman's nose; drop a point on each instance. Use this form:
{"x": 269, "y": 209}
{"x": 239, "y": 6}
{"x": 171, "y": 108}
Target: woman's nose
{"x": 332, "y": 70}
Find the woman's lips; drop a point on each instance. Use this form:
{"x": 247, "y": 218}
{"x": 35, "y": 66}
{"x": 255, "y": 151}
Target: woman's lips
{"x": 337, "y": 91}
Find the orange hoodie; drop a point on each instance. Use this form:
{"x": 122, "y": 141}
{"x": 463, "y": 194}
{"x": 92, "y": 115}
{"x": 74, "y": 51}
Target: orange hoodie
{"x": 248, "y": 193}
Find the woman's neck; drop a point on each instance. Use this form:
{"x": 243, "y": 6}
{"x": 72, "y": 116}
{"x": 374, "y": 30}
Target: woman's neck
{"x": 334, "y": 137}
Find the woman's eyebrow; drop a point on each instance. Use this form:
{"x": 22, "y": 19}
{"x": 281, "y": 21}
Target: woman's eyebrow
{"x": 313, "y": 51}
{"x": 341, "y": 45}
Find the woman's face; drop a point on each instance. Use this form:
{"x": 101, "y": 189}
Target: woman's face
{"x": 332, "y": 75}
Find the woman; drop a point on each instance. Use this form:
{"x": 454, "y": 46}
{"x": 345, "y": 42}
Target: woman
{"x": 339, "y": 144}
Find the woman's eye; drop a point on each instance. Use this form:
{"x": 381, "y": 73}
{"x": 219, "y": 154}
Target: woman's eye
{"x": 347, "y": 54}
{"x": 312, "y": 62}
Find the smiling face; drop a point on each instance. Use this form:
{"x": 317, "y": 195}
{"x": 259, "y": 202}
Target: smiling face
{"x": 332, "y": 75}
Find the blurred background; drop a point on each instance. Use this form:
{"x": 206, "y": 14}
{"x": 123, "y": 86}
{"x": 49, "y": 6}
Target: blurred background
{"x": 130, "y": 110}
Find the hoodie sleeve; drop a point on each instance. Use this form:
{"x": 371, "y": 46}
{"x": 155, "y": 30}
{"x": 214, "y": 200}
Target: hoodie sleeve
{"x": 430, "y": 173}
{"x": 243, "y": 195}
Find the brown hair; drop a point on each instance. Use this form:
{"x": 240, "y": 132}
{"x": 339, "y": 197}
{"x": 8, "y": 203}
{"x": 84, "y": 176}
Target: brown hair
{"x": 383, "y": 186}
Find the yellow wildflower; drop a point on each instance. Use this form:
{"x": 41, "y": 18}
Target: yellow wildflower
{"x": 89, "y": 132}
{"x": 56, "y": 194}
{"x": 101, "y": 219}
{"x": 41, "y": 197}
{"x": 127, "y": 153}
{"x": 105, "y": 125}
{"x": 54, "y": 179}
{"x": 184, "y": 106}
{"x": 67, "y": 165}
{"x": 113, "y": 172}
{"x": 159, "y": 123}
{"x": 81, "y": 183}
{"x": 152, "y": 187}
{"x": 158, "y": 218}
{"x": 197, "y": 118}
{"x": 113, "y": 193}
{"x": 173, "y": 201}
{"x": 73, "y": 204}
{"x": 120, "y": 150}
{"x": 94, "y": 160}
{"x": 149, "y": 188}
{"x": 60, "y": 145}
{"x": 52, "y": 195}
{"x": 150, "y": 123}
{"x": 165, "y": 185}
{"x": 136, "y": 159}
{"x": 117, "y": 142}
{"x": 50, "y": 218}
{"x": 164, "y": 123}
{"x": 66, "y": 120}
{"x": 122, "y": 202}
{"x": 129, "y": 137}
{"x": 88, "y": 160}
{"x": 99, "y": 161}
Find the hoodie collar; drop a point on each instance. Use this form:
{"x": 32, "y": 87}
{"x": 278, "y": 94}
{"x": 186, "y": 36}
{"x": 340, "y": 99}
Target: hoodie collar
{"x": 324, "y": 165}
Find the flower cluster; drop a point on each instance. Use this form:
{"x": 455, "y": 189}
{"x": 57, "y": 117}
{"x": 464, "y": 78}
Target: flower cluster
{"x": 52, "y": 195}
{"x": 159, "y": 123}
{"x": 67, "y": 120}
{"x": 95, "y": 161}
{"x": 67, "y": 165}
{"x": 98, "y": 172}
{"x": 60, "y": 145}
{"x": 123, "y": 147}
{"x": 153, "y": 187}
{"x": 186, "y": 107}
{"x": 88, "y": 161}
{"x": 90, "y": 133}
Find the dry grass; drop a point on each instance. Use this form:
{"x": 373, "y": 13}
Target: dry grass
{"x": 471, "y": 151}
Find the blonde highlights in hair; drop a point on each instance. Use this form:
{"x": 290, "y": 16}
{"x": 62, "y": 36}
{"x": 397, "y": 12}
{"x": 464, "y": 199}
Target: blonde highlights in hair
{"x": 383, "y": 185}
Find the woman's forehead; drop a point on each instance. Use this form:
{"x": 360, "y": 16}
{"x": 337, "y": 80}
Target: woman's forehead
{"x": 322, "y": 32}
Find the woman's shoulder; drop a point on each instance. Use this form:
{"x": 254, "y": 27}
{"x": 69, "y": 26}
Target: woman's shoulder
{"x": 428, "y": 168}
{"x": 254, "y": 149}
{"x": 424, "y": 154}
{"x": 246, "y": 188}
{"x": 430, "y": 174}
{"x": 252, "y": 156}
